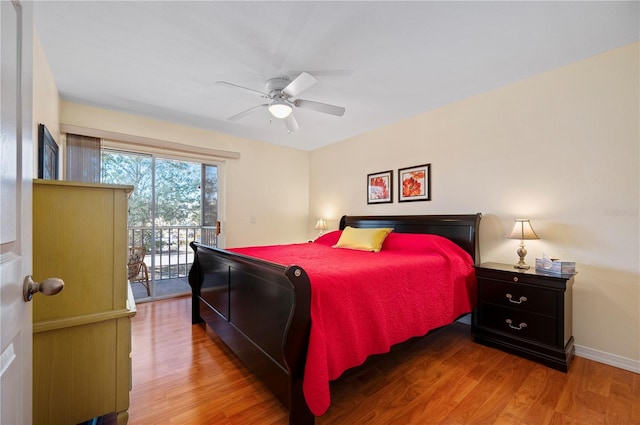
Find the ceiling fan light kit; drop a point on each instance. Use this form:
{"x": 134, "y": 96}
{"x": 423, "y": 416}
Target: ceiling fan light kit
{"x": 280, "y": 109}
{"x": 283, "y": 95}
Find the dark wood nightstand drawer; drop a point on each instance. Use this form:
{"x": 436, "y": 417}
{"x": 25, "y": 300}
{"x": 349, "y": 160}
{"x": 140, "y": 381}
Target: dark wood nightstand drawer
{"x": 518, "y": 296}
{"x": 522, "y": 324}
{"x": 534, "y": 277}
{"x": 526, "y": 312}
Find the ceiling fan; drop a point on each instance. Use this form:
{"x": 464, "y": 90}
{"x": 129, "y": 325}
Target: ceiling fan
{"x": 282, "y": 97}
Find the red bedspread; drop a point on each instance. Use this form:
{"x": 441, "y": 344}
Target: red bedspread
{"x": 362, "y": 303}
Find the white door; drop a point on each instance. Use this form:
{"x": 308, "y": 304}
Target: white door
{"x": 16, "y": 156}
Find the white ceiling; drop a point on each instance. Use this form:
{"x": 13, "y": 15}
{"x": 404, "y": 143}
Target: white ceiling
{"x": 382, "y": 61}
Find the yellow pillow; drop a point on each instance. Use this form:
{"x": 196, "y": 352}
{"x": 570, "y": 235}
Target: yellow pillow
{"x": 362, "y": 239}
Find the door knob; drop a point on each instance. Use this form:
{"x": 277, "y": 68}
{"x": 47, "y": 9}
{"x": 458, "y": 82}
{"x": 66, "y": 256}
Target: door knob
{"x": 50, "y": 286}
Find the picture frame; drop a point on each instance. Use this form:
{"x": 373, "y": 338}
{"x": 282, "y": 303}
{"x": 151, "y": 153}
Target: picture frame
{"x": 47, "y": 154}
{"x": 414, "y": 183}
{"x": 380, "y": 187}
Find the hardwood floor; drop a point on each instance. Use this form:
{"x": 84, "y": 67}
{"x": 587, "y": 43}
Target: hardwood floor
{"x": 182, "y": 376}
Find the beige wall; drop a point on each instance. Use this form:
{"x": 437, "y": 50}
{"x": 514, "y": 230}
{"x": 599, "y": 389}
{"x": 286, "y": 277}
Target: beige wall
{"x": 46, "y": 101}
{"x": 561, "y": 148}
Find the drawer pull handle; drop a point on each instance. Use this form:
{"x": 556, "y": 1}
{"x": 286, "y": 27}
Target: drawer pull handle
{"x": 521, "y": 326}
{"x": 520, "y": 300}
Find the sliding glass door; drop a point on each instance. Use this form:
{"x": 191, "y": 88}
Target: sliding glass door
{"x": 173, "y": 203}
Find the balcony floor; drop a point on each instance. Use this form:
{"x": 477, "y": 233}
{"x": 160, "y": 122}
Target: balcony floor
{"x": 165, "y": 288}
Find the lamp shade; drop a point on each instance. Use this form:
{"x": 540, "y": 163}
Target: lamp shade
{"x": 321, "y": 224}
{"x": 522, "y": 230}
{"x": 280, "y": 109}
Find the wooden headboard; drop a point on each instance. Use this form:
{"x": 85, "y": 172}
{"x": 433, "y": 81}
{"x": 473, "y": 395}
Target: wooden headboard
{"x": 461, "y": 229}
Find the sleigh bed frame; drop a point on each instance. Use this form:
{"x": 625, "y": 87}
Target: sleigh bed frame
{"x": 261, "y": 310}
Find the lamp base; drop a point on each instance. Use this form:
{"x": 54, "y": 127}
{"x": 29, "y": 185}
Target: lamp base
{"x": 522, "y": 252}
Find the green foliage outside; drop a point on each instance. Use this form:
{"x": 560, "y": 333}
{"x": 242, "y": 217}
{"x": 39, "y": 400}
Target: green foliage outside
{"x": 135, "y": 170}
{"x": 178, "y": 192}
{"x": 180, "y": 201}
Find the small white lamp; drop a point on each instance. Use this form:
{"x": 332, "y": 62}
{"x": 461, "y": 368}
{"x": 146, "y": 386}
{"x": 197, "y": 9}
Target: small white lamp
{"x": 321, "y": 225}
{"x": 522, "y": 230}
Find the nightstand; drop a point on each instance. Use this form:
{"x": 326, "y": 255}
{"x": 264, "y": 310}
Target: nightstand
{"x": 525, "y": 312}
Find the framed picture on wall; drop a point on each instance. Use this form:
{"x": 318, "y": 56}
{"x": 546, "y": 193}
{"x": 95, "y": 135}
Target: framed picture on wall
{"x": 414, "y": 183}
{"x": 380, "y": 187}
{"x": 47, "y": 155}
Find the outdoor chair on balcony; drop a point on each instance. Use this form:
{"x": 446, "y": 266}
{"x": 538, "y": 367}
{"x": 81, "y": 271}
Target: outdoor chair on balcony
{"x": 137, "y": 269}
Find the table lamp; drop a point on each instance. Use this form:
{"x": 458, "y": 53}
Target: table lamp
{"x": 522, "y": 230}
{"x": 321, "y": 225}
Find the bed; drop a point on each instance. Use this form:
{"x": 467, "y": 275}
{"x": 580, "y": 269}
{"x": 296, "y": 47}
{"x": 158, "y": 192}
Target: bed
{"x": 262, "y": 308}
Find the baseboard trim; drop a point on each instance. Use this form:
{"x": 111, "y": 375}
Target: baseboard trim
{"x": 608, "y": 358}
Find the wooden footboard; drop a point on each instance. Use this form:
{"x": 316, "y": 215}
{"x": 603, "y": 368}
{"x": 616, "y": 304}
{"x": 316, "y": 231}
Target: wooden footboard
{"x": 261, "y": 310}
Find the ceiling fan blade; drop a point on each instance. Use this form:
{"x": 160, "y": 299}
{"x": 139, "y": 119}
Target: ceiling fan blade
{"x": 291, "y": 123}
{"x": 326, "y": 72}
{"x": 320, "y": 107}
{"x": 226, "y": 84}
{"x": 299, "y": 84}
{"x": 245, "y": 113}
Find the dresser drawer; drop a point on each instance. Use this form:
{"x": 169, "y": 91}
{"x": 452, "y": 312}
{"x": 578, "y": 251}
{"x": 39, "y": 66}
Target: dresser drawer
{"x": 519, "y": 296}
{"x": 519, "y": 323}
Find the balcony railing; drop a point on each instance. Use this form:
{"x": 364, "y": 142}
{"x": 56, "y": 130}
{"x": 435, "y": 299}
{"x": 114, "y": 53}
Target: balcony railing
{"x": 169, "y": 255}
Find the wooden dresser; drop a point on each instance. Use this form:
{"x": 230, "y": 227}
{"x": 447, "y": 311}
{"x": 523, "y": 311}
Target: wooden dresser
{"x": 81, "y": 336}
